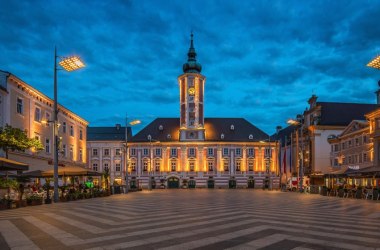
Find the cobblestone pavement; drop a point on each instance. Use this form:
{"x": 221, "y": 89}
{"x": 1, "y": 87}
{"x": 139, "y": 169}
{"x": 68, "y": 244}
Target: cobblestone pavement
{"x": 196, "y": 219}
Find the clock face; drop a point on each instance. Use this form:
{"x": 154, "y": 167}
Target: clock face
{"x": 191, "y": 91}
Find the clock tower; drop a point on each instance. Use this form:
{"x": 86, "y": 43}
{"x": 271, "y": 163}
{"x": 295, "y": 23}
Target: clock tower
{"x": 191, "y": 91}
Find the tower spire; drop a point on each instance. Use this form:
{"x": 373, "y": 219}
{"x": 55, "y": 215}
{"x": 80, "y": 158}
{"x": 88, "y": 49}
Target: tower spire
{"x": 192, "y": 66}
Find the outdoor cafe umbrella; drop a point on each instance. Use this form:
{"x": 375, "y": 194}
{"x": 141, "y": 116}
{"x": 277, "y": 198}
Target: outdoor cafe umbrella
{"x": 71, "y": 171}
{"x": 11, "y": 165}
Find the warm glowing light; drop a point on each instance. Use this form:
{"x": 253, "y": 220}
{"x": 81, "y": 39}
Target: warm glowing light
{"x": 375, "y": 63}
{"x": 293, "y": 122}
{"x": 71, "y": 63}
{"x": 135, "y": 122}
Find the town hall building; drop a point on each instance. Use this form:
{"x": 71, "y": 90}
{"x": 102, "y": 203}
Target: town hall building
{"x": 193, "y": 151}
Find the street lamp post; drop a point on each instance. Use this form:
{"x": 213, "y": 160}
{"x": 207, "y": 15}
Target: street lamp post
{"x": 298, "y": 153}
{"x": 68, "y": 64}
{"x": 132, "y": 123}
{"x": 150, "y": 170}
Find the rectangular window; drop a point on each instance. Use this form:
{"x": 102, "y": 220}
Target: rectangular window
{"x": 158, "y": 151}
{"x": 118, "y": 151}
{"x": 145, "y": 166}
{"x": 365, "y": 157}
{"x": 238, "y": 164}
{"x": 191, "y": 166}
{"x": 157, "y": 166}
{"x": 225, "y": 151}
{"x": 173, "y": 166}
{"x": 71, "y": 130}
{"x": 268, "y": 152}
{"x": 335, "y": 162}
{"x": 133, "y": 151}
{"x": 238, "y": 151}
{"x": 145, "y": 151}
{"x": 336, "y": 147}
{"x": 191, "y": 152}
{"x": 20, "y": 105}
{"x": 133, "y": 166}
{"x": 48, "y": 119}
{"x": 47, "y": 145}
{"x": 95, "y": 166}
{"x": 360, "y": 158}
{"x": 349, "y": 159}
{"x": 226, "y": 165}
{"x": 80, "y": 134}
{"x": 356, "y": 141}
{"x": 106, "y": 152}
{"x": 80, "y": 154}
{"x": 210, "y": 151}
{"x": 250, "y": 166}
{"x": 64, "y": 127}
{"x": 71, "y": 152}
{"x": 118, "y": 167}
{"x": 364, "y": 139}
{"x": 251, "y": 152}
{"x": 173, "y": 152}
{"x": 106, "y": 165}
{"x": 210, "y": 166}
{"x": 94, "y": 152}
{"x": 37, "y": 114}
{"x": 343, "y": 145}
{"x": 349, "y": 143}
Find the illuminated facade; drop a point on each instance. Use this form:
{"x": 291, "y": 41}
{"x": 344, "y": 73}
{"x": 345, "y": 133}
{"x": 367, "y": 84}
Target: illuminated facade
{"x": 105, "y": 147}
{"x": 24, "y": 107}
{"x": 193, "y": 151}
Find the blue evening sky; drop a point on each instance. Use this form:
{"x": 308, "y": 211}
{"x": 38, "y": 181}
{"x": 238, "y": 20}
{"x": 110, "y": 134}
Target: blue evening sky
{"x": 262, "y": 59}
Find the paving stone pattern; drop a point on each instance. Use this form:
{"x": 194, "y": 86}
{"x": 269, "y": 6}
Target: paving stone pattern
{"x": 196, "y": 219}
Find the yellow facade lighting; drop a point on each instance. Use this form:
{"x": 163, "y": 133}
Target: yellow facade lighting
{"x": 71, "y": 63}
{"x": 375, "y": 63}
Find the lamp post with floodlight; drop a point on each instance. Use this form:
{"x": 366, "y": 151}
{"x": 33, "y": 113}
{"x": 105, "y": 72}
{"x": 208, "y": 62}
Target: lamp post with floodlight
{"x": 132, "y": 123}
{"x": 69, "y": 64}
{"x": 299, "y": 152}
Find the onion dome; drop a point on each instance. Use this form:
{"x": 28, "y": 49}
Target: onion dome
{"x": 192, "y": 66}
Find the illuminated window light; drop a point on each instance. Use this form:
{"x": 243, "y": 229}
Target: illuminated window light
{"x": 71, "y": 63}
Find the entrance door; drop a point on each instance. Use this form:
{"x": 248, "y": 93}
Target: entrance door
{"x": 191, "y": 183}
{"x": 173, "y": 182}
{"x": 232, "y": 183}
{"x": 251, "y": 183}
{"x": 210, "y": 183}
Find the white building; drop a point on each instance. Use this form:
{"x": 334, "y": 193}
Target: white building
{"x": 24, "y": 107}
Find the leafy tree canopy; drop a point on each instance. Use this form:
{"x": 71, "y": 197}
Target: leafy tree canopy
{"x": 15, "y": 139}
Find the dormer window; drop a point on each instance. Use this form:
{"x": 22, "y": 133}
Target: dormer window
{"x": 221, "y": 136}
{"x": 250, "y": 137}
{"x": 168, "y": 136}
{"x": 232, "y": 127}
{"x": 149, "y": 137}
{"x": 160, "y": 127}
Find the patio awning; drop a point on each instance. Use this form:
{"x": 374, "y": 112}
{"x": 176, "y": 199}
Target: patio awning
{"x": 11, "y": 165}
{"x": 71, "y": 171}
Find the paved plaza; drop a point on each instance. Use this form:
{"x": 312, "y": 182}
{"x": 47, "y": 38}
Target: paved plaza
{"x": 196, "y": 219}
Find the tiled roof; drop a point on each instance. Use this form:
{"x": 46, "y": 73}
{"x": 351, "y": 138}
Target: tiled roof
{"x": 341, "y": 114}
{"x": 214, "y": 128}
{"x": 107, "y": 133}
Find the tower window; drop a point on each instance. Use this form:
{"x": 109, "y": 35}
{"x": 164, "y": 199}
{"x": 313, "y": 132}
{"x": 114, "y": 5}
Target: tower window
{"x": 232, "y": 127}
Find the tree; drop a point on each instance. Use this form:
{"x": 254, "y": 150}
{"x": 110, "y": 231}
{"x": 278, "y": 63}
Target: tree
{"x": 12, "y": 139}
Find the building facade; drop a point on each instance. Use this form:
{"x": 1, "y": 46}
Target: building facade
{"x": 106, "y": 149}
{"x": 309, "y": 139}
{"x": 24, "y": 107}
{"x": 193, "y": 151}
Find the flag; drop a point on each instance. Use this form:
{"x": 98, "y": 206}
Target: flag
{"x": 284, "y": 161}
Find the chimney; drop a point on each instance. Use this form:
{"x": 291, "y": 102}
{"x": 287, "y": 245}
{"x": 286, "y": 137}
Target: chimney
{"x": 278, "y": 128}
{"x": 118, "y": 126}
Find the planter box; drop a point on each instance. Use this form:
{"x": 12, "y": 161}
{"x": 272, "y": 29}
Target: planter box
{"x": 34, "y": 202}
